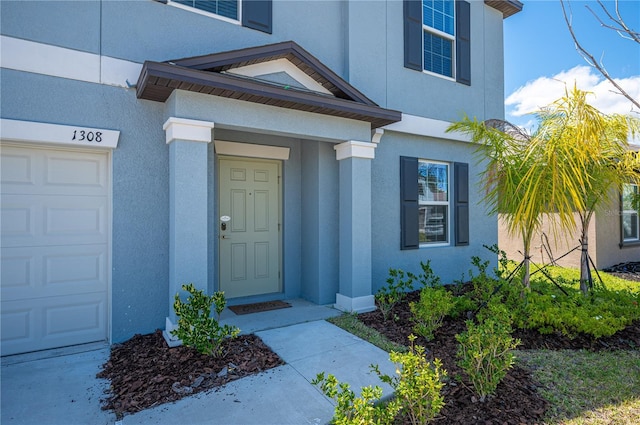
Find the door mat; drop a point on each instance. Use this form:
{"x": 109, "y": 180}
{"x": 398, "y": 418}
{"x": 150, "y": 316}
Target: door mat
{"x": 258, "y": 307}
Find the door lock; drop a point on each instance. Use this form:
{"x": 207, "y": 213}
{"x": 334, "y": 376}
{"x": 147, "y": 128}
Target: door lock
{"x": 223, "y": 226}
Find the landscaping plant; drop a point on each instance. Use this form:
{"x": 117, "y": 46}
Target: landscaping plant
{"x": 196, "y": 327}
{"x": 485, "y": 350}
{"x": 352, "y": 410}
{"x": 418, "y": 384}
{"x": 602, "y": 312}
{"x": 428, "y": 279}
{"x": 428, "y": 313}
{"x": 398, "y": 283}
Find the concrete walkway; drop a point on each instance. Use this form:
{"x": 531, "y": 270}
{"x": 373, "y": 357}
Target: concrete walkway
{"x": 64, "y": 390}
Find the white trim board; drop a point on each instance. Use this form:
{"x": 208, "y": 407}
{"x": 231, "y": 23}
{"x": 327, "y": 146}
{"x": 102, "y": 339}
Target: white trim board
{"x": 251, "y": 150}
{"x": 55, "y": 61}
{"x": 421, "y": 126}
{"x": 280, "y": 65}
{"x": 56, "y": 134}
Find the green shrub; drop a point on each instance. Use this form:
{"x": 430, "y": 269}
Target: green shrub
{"x": 428, "y": 313}
{"x": 428, "y": 279}
{"x": 485, "y": 351}
{"x": 196, "y": 327}
{"x": 352, "y": 410}
{"x": 418, "y": 384}
{"x": 398, "y": 283}
{"x": 600, "y": 313}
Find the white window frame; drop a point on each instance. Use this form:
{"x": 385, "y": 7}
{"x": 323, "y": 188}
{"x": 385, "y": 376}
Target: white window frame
{"x": 447, "y": 36}
{"x": 209, "y": 14}
{"x": 446, "y": 203}
{"x": 624, "y": 212}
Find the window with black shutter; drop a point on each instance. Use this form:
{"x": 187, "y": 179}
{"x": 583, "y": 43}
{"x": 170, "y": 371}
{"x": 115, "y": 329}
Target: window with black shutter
{"x": 255, "y": 14}
{"x": 434, "y": 203}
{"x": 437, "y": 38}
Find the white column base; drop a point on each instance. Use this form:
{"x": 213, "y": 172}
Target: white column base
{"x": 172, "y": 341}
{"x": 355, "y": 305}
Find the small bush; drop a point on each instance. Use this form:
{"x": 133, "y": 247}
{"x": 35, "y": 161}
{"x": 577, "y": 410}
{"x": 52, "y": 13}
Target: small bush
{"x": 600, "y": 313}
{"x": 418, "y": 384}
{"x": 398, "y": 283}
{"x": 352, "y": 410}
{"x": 196, "y": 327}
{"x": 485, "y": 351}
{"x": 428, "y": 279}
{"x": 434, "y": 305}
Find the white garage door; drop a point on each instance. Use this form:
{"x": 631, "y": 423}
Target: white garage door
{"x": 54, "y": 246}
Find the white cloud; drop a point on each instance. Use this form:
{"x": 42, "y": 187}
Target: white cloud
{"x": 544, "y": 90}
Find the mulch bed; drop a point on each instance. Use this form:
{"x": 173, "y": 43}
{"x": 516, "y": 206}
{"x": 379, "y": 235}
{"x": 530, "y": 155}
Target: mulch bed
{"x": 517, "y": 400}
{"x": 145, "y": 372}
{"x": 628, "y": 271}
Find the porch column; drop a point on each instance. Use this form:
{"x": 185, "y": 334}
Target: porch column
{"x": 355, "y": 226}
{"x": 188, "y": 235}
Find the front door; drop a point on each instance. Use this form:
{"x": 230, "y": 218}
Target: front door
{"x": 249, "y": 227}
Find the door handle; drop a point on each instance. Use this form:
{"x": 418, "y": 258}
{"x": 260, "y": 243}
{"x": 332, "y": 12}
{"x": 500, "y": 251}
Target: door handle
{"x": 225, "y": 237}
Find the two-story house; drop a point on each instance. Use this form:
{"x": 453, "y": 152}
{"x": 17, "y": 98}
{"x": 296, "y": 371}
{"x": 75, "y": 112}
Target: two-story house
{"x": 268, "y": 149}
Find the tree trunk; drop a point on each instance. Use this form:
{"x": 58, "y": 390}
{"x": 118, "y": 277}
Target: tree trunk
{"x": 585, "y": 274}
{"x": 526, "y": 277}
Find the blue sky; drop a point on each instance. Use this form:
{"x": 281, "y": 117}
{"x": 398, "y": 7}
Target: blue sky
{"x": 539, "y": 51}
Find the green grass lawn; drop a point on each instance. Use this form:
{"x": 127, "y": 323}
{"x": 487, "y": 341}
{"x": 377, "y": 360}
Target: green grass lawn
{"x": 587, "y": 387}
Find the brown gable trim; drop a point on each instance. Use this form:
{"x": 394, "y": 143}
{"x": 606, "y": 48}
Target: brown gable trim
{"x": 158, "y": 80}
{"x": 218, "y": 62}
{"x": 507, "y": 7}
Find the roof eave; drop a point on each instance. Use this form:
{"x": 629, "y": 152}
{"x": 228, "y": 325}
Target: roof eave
{"x": 225, "y": 85}
{"x": 507, "y": 7}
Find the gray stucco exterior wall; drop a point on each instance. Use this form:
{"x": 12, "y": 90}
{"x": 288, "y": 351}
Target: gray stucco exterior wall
{"x": 328, "y": 205}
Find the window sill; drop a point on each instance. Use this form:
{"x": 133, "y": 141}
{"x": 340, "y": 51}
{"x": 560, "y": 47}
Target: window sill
{"x": 204, "y": 12}
{"x": 435, "y": 74}
{"x": 434, "y": 245}
{"x": 629, "y": 244}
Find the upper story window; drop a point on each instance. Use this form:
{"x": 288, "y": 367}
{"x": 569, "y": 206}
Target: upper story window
{"x": 254, "y": 14}
{"x": 227, "y": 8}
{"x": 433, "y": 201}
{"x": 630, "y": 215}
{"x": 438, "y": 24}
{"x": 437, "y": 37}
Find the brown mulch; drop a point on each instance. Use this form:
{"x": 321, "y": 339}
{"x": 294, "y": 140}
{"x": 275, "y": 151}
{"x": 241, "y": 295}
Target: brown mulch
{"x": 145, "y": 372}
{"x": 628, "y": 271}
{"x": 516, "y": 400}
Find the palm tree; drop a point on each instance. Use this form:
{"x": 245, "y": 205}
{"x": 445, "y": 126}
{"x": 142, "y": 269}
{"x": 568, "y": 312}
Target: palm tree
{"x": 571, "y": 164}
{"x": 506, "y": 152}
{"x": 585, "y": 156}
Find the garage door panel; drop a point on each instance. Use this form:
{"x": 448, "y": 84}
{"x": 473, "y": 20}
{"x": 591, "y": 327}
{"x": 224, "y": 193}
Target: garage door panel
{"x": 53, "y": 220}
{"x": 60, "y": 321}
{"x": 38, "y": 171}
{"x": 17, "y": 170}
{"x": 54, "y": 247}
{"x": 17, "y": 220}
{"x": 82, "y": 172}
{"x": 50, "y": 271}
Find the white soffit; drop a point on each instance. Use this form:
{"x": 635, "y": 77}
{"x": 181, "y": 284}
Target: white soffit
{"x": 279, "y": 65}
{"x": 251, "y": 150}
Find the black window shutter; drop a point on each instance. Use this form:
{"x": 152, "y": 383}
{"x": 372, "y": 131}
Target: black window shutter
{"x": 409, "y": 203}
{"x": 461, "y": 203}
{"x": 413, "y": 34}
{"x": 463, "y": 42}
{"x": 257, "y": 14}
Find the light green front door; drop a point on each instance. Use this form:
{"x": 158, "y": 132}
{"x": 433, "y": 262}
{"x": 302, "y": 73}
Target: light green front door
{"x": 249, "y": 227}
